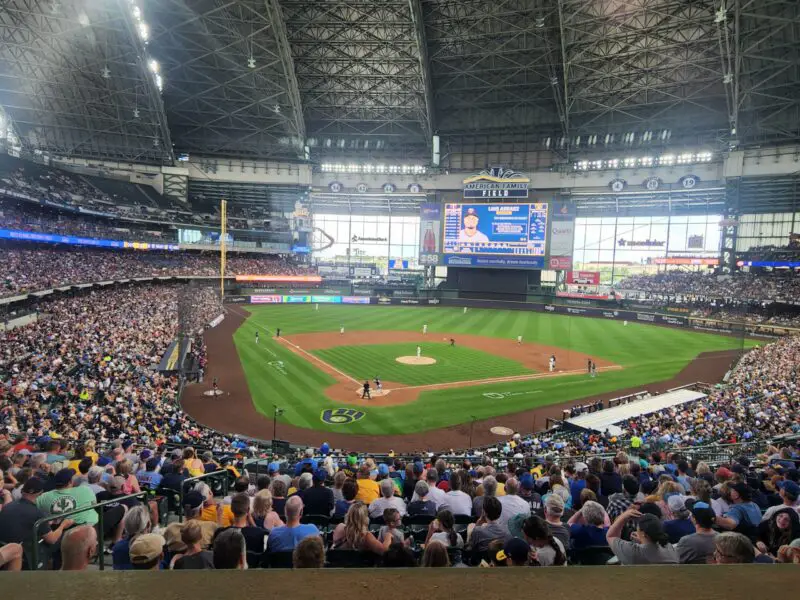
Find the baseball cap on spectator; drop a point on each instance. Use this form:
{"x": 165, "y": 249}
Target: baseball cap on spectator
{"x": 517, "y": 550}
{"x": 103, "y": 461}
{"x": 325, "y": 448}
{"x": 526, "y": 481}
{"x": 127, "y": 444}
{"x": 320, "y": 475}
{"x": 516, "y": 523}
{"x": 677, "y": 503}
{"x": 352, "y": 460}
{"x": 146, "y": 548}
{"x": 581, "y": 466}
{"x": 145, "y": 454}
{"x": 703, "y": 514}
{"x": 743, "y": 460}
{"x": 193, "y": 499}
{"x": 739, "y": 469}
{"x": 418, "y": 468}
{"x": 724, "y": 473}
{"x": 383, "y": 469}
{"x": 63, "y": 477}
{"x": 790, "y": 487}
{"x": 274, "y": 467}
{"x": 34, "y": 485}
{"x": 173, "y": 541}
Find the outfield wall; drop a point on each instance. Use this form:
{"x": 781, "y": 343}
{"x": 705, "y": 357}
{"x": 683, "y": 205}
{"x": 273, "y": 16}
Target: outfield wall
{"x": 635, "y": 316}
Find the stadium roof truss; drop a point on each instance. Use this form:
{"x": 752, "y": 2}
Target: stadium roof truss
{"x": 293, "y": 79}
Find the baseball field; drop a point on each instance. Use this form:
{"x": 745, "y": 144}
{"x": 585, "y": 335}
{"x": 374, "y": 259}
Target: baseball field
{"x": 312, "y": 375}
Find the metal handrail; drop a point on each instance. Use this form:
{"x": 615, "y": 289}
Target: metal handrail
{"x": 62, "y": 516}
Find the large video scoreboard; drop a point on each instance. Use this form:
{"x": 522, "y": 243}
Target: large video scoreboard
{"x": 495, "y": 235}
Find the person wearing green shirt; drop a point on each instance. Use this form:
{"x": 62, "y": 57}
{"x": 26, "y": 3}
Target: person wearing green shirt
{"x": 66, "y": 498}
{"x": 636, "y": 441}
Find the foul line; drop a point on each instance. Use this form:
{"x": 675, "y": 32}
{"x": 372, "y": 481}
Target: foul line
{"x": 315, "y": 359}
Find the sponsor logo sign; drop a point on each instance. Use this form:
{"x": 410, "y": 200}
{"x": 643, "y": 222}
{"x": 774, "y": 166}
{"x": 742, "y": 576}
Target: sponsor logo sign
{"x": 560, "y": 263}
{"x": 268, "y": 299}
{"x": 355, "y": 299}
{"x": 341, "y": 416}
{"x": 384, "y": 300}
{"x": 646, "y": 317}
{"x": 583, "y": 277}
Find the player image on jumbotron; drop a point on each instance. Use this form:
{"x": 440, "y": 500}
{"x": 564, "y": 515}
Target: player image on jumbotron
{"x": 469, "y": 233}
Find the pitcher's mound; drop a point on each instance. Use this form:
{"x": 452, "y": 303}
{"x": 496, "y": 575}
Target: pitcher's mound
{"x": 416, "y": 360}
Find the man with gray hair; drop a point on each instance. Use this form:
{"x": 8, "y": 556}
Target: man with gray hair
{"x": 424, "y": 506}
{"x": 512, "y": 503}
{"x": 489, "y": 490}
{"x": 387, "y": 500}
{"x": 435, "y": 494}
{"x": 587, "y": 527}
{"x": 733, "y": 548}
{"x": 304, "y": 482}
{"x": 93, "y": 478}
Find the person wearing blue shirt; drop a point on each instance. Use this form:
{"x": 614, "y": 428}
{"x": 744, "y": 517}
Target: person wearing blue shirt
{"x": 150, "y": 477}
{"x": 744, "y": 514}
{"x": 284, "y": 539}
{"x": 307, "y": 462}
{"x": 587, "y": 527}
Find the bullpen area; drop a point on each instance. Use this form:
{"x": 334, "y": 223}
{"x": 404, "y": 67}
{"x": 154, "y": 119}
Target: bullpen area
{"x": 439, "y": 377}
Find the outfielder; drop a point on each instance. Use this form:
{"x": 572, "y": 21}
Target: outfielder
{"x": 425, "y": 329}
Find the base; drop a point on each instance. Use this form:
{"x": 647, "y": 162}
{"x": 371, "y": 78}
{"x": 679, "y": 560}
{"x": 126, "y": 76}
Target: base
{"x": 416, "y": 360}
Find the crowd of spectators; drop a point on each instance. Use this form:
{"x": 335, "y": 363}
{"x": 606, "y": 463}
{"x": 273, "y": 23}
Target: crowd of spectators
{"x": 86, "y": 368}
{"x": 657, "y": 508}
{"x": 28, "y": 268}
{"x": 695, "y": 288}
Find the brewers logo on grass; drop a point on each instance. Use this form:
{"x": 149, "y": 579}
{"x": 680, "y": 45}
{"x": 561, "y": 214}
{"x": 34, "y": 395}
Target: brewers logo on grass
{"x": 341, "y": 416}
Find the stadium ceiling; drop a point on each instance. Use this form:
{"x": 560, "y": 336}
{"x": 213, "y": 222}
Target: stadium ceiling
{"x": 376, "y": 79}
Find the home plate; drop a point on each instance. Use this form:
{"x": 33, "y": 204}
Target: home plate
{"x": 416, "y": 360}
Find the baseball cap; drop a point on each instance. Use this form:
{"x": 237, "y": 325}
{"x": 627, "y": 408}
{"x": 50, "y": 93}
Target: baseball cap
{"x": 352, "y": 460}
{"x": 516, "y": 523}
{"x": 703, "y": 514}
{"x": 63, "y": 477}
{"x": 677, "y": 503}
{"x": 193, "y": 499}
{"x": 34, "y": 485}
{"x": 517, "y": 549}
{"x": 383, "y": 469}
{"x": 724, "y": 472}
{"x": 146, "y": 548}
{"x": 526, "y": 481}
{"x": 145, "y": 454}
{"x": 274, "y": 467}
{"x": 790, "y": 487}
{"x": 103, "y": 461}
{"x": 320, "y": 475}
{"x": 581, "y": 466}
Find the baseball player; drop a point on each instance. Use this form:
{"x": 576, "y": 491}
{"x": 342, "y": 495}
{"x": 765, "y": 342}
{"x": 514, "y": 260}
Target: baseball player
{"x": 278, "y": 332}
{"x": 594, "y": 369}
{"x": 465, "y": 310}
{"x": 378, "y": 385}
{"x": 316, "y": 307}
{"x": 419, "y": 351}
{"x": 552, "y": 362}
{"x": 341, "y": 330}
{"x": 425, "y": 329}
{"x": 452, "y": 343}
{"x": 589, "y": 366}
{"x": 256, "y": 337}
{"x": 519, "y": 339}
{"x": 365, "y": 391}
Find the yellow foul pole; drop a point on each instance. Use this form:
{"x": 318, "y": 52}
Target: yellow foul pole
{"x": 223, "y": 250}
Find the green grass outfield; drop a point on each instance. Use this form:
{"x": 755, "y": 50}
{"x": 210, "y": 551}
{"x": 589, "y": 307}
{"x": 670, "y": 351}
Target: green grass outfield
{"x": 277, "y": 375}
{"x": 452, "y": 364}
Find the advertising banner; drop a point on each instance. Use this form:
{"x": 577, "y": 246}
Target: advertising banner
{"x": 297, "y": 299}
{"x": 362, "y": 272}
{"x": 326, "y": 299}
{"x": 583, "y": 277}
{"x": 355, "y": 300}
{"x": 585, "y": 296}
{"x": 13, "y": 234}
{"x": 430, "y": 224}
{"x": 533, "y": 262}
{"x": 686, "y": 260}
{"x": 268, "y": 299}
{"x": 281, "y": 278}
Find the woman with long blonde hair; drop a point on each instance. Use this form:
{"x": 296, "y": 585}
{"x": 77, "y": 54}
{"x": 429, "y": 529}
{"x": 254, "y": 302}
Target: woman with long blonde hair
{"x": 354, "y": 533}
{"x": 263, "y": 515}
{"x": 667, "y": 488}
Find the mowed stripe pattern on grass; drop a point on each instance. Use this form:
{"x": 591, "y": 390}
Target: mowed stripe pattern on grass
{"x": 453, "y": 364}
{"x": 648, "y": 353}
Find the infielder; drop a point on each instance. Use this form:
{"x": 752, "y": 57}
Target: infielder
{"x": 425, "y": 329}
{"x": 341, "y": 330}
{"x": 519, "y": 339}
{"x": 552, "y": 362}
{"x": 419, "y": 351}
{"x": 256, "y": 337}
